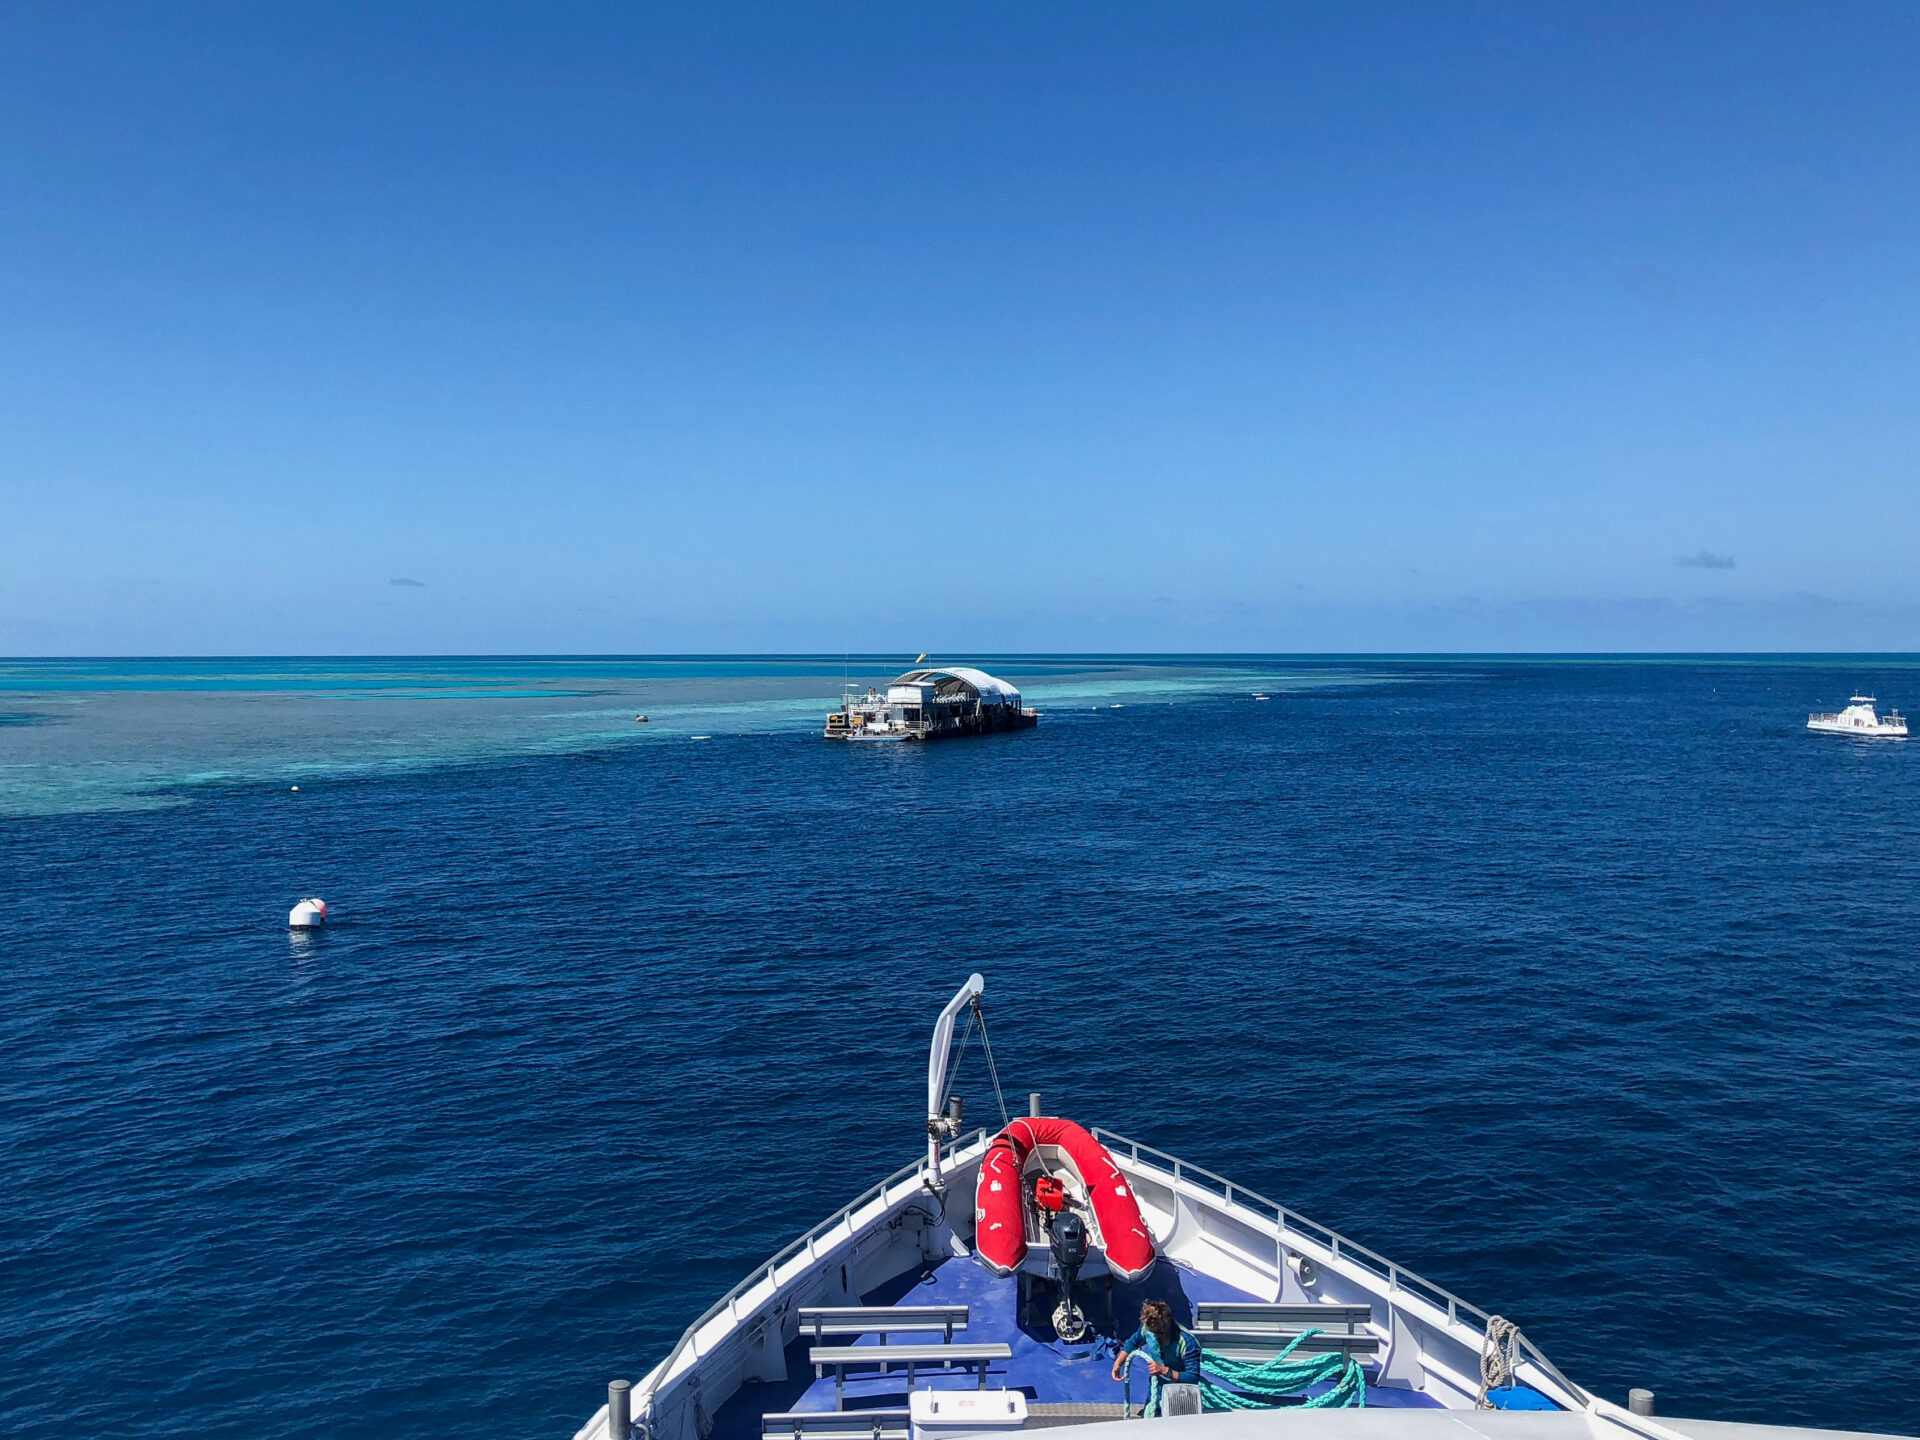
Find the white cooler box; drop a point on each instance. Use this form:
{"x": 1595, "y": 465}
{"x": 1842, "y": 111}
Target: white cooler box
{"x": 939, "y": 1413}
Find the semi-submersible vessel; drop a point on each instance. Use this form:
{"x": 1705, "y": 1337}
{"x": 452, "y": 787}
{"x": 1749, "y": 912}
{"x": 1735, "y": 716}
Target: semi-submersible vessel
{"x": 993, "y": 1285}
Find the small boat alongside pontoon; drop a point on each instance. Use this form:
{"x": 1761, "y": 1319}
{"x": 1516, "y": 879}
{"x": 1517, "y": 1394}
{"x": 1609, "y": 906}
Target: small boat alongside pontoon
{"x": 1859, "y": 719}
{"x": 986, "y": 1287}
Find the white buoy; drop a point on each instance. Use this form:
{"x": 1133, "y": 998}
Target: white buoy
{"x": 307, "y": 915}
{"x": 296, "y": 789}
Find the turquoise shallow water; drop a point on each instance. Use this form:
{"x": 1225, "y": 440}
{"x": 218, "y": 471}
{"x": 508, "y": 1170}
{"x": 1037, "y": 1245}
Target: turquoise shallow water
{"x": 101, "y": 735}
{"x": 1587, "y": 988}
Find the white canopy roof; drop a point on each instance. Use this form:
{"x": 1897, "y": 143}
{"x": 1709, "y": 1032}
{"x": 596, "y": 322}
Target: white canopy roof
{"x": 986, "y": 684}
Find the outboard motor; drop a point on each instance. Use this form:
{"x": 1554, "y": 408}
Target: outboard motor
{"x": 1067, "y": 1249}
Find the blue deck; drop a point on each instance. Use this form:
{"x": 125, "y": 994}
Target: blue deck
{"x": 1043, "y": 1368}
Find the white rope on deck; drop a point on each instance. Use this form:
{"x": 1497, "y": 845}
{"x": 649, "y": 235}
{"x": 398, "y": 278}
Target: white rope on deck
{"x": 1499, "y": 1356}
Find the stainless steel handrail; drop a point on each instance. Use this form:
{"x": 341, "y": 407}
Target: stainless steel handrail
{"x": 1396, "y": 1276}
{"x": 769, "y": 1269}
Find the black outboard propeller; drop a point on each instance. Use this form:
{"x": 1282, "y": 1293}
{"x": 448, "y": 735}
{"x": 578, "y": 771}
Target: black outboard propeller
{"x": 1067, "y": 1249}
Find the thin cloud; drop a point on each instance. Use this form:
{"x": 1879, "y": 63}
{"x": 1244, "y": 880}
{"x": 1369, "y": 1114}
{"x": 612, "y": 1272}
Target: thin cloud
{"x": 421, "y": 584}
{"x": 1704, "y": 560}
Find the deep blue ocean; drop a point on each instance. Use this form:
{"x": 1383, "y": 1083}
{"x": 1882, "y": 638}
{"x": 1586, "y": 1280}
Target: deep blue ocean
{"x": 1587, "y": 989}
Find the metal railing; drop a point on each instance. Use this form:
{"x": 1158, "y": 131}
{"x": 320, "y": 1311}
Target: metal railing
{"x": 1284, "y": 1220}
{"x": 769, "y": 1270}
{"x": 1332, "y": 1241}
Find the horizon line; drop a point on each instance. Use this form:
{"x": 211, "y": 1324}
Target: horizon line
{"x": 998, "y": 654}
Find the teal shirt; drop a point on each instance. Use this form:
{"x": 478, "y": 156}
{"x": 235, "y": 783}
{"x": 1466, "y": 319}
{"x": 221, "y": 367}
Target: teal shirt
{"x": 1185, "y": 1362}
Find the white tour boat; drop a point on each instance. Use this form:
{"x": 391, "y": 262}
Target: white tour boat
{"x": 984, "y": 1288}
{"x": 1858, "y": 719}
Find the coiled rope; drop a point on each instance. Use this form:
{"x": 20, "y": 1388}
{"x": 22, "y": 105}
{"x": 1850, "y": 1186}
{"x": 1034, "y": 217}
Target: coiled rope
{"x": 1126, "y": 1387}
{"x": 1262, "y": 1385}
{"x": 1499, "y": 1355}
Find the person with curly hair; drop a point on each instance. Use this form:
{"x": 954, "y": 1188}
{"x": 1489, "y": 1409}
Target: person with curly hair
{"x": 1172, "y": 1355}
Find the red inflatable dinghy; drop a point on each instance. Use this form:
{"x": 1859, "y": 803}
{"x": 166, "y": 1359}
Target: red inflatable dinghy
{"x": 1000, "y": 1232}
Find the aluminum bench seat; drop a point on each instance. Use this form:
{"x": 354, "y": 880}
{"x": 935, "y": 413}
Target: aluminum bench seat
{"x": 841, "y": 1358}
{"x": 1265, "y": 1344}
{"x": 837, "y": 1425}
{"x": 820, "y": 1321}
{"x": 1210, "y": 1315}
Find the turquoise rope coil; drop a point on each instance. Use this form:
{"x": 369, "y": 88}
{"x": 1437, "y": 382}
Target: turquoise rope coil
{"x": 1241, "y": 1385}
{"x": 1126, "y": 1388}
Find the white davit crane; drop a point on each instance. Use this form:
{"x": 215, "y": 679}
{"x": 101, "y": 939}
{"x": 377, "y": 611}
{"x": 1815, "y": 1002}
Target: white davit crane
{"x": 942, "y": 1125}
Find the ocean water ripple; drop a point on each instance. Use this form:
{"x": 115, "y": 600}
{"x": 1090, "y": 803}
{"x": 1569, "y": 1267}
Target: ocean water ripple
{"x": 1586, "y": 989}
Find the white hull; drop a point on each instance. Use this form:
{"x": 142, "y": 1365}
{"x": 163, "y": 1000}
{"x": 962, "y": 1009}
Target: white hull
{"x": 1837, "y": 727}
{"x": 1200, "y": 1220}
{"x": 1861, "y": 719}
{"x": 1426, "y": 1347}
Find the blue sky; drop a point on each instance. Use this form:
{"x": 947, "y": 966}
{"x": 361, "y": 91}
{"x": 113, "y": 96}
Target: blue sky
{"x": 984, "y": 327}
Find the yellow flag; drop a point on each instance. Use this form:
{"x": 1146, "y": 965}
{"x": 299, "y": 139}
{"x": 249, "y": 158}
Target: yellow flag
{"x": 921, "y": 656}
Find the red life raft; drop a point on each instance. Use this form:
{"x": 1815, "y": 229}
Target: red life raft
{"x": 1000, "y": 1231}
